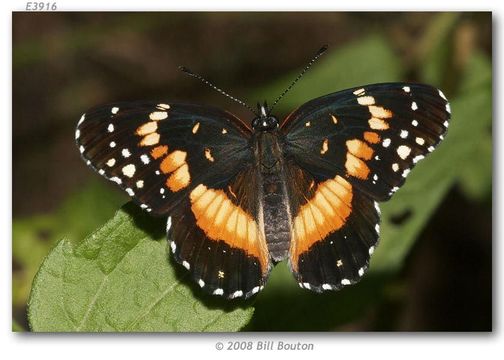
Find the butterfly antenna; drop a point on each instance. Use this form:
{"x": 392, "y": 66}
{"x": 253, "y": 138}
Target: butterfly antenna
{"x": 205, "y": 81}
{"x": 312, "y": 61}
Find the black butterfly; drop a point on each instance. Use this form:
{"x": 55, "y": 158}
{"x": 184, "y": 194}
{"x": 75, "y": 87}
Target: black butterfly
{"x": 242, "y": 197}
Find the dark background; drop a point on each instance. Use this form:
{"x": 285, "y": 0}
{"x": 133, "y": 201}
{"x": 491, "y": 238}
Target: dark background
{"x": 65, "y": 63}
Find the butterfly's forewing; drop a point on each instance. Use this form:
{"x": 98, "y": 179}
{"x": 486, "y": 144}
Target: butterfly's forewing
{"x": 372, "y": 135}
{"x": 353, "y": 148}
{"x": 191, "y": 163}
{"x": 159, "y": 152}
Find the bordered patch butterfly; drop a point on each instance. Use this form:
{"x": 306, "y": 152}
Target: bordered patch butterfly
{"x": 240, "y": 197}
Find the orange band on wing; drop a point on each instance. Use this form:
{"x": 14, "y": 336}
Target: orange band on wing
{"x": 326, "y": 212}
{"x": 220, "y": 219}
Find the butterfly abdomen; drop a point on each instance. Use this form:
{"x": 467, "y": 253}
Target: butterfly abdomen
{"x": 273, "y": 194}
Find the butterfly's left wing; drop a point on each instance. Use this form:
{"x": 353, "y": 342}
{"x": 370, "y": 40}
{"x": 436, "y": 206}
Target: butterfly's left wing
{"x": 346, "y": 151}
{"x": 193, "y": 164}
{"x": 372, "y": 135}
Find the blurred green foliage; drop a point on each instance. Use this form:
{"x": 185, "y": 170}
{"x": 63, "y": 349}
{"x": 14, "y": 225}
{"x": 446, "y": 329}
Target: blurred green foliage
{"x": 80, "y": 303}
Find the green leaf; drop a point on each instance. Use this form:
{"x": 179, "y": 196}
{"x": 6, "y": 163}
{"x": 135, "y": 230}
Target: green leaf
{"x": 34, "y": 236}
{"x": 120, "y": 279}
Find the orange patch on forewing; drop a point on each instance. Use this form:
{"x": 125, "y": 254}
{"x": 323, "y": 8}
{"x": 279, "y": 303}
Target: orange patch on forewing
{"x": 360, "y": 149}
{"x": 325, "y": 147}
{"x": 371, "y": 137}
{"x": 208, "y": 155}
{"x": 149, "y": 140}
{"x": 220, "y": 219}
{"x": 179, "y": 179}
{"x": 356, "y": 167}
{"x": 173, "y": 161}
{"x": 378, "y": 124}
{"x": 380, "y": 112}
{"x": 147, "y": 128}
{"x": 159, "y": 151}
{"x": 326, "y": 212}
{"x": 158, "y": 115}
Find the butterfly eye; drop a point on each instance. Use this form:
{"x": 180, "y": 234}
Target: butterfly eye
{"x": 265, "y": 123}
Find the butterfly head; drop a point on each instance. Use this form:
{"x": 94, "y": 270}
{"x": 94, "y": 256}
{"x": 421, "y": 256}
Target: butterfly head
{"x": 264, "y": 121}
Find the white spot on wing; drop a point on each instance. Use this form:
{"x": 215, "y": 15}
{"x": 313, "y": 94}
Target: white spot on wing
{"x": 430, "y": 148}
{"x": 130, "y": 191}
{"x": 405, "y": 172}
{"x": 361, "y": 271}
{"x": 111, "y": 162}
{"x": 201, "y": 283}
{"x": 129, "y": 170}
{"x": 403, "y": 151}
{"x": 101, "y": 172}
{"x": 140, "y": 184}
{"x": 417, "y": 158}
{"x": 448, "y": 108}
{"x": 112, "y": 144}
{"x": 441, "y": 94}
{"x": 126, "y": 153}
{"x": 145, "y": 159}
{"x": 345, "y": 282}
{"x": 404, "y": 134}
{"x": 173, "y": 246}
{"x": 81, "y": 119}
{"x": 406, "y": 89}
{"x": 377, "y": 228}
{"x": 237, "y": 294}
{"x": 110, "y": 128}
{"x": 420, "y": 141}
{"x": 218, "y": 291}
{"x": 77, "y": 134}
{"x": 114, "y": 110}
{"x": 414, "y": 106}
{"x": 371, "y": 250}
{"x": 168, "y": 223}
{"x": 360, "y": 91}
{"x": 377, "y": 207}
{"x": 307, "y": 285}
{"x": 395, "y": 167}
{"x": 186, "y": 265}
{"x": 386, "y": 143}
{"x": 414, "y": 123}
{"x": 255, "y": 290}
{"x": 116, "y": 180}
{"x": 326, "y": 286}
{"x": 81, "y": 149}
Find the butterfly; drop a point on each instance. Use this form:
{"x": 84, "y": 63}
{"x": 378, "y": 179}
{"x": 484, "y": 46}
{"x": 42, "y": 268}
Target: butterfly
{"x": 240, "y": 197}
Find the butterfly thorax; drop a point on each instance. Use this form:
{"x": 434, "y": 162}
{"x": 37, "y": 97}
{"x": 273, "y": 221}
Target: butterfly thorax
{"x": 273, "y": 195}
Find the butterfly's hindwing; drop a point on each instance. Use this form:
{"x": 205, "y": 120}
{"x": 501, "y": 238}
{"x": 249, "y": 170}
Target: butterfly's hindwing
{"x": 216, "y": 235}
{"x": 335, "y": 230}
{"x": 372, "y": 135}
{"x": 157, "y": 152}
